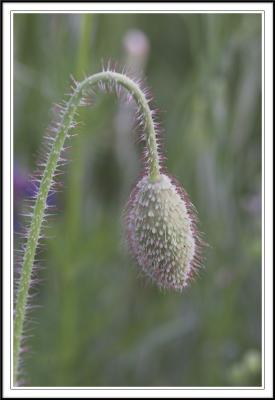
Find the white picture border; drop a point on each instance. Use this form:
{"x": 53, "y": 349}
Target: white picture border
{"x": 266, "y": 10}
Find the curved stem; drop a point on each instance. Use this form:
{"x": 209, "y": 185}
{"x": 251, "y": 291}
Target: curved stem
{"x": 47, "y": 180}
{"x": 140, "y": 98}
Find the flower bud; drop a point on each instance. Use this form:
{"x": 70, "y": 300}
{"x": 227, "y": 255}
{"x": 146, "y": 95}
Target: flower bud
{"x": 161, "y": 232}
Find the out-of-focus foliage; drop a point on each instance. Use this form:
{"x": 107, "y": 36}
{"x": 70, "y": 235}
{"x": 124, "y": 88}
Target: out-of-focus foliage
{"x": 99, "y": 324}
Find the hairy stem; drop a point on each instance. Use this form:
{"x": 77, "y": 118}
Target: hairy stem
{"x": 47, "y": 181}
{"x": 140, "y": 98}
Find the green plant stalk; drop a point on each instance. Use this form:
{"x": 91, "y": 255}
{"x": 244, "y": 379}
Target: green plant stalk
{"x": 69, "y": 297}
{"x": 84, "y": 55}
{"x": 47, "y": 180}
{"x": 82, "y": 65}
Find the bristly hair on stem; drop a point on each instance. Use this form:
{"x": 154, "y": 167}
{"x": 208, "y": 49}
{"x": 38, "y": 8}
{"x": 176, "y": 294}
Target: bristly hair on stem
{"x": 159, "y": 222}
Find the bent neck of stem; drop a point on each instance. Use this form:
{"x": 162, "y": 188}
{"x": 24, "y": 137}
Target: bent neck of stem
{"x": 140, "y": 98}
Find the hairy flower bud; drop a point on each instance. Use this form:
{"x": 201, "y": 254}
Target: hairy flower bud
{"x": 161, "y": 232}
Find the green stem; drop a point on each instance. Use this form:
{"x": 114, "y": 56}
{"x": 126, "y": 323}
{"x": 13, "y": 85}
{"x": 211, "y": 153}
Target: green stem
{"x": 84, "y": 53}
{"x": 47, "y": 180}
{"x": 67, "y": 348}
{"x": 140, "y": 98}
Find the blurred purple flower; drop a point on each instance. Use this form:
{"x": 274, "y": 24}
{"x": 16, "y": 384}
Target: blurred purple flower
{"x": 136, "y": 46}
{"x": 25, "y": 188}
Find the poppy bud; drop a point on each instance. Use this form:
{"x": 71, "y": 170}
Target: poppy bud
{"x": 161, "y": 232}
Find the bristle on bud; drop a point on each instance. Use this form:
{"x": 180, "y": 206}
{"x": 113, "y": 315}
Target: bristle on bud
{"x": 161, "y": 232}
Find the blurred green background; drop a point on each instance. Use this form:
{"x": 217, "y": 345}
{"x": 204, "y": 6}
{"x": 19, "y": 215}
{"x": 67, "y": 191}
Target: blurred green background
{"x": 99, "y": 323}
